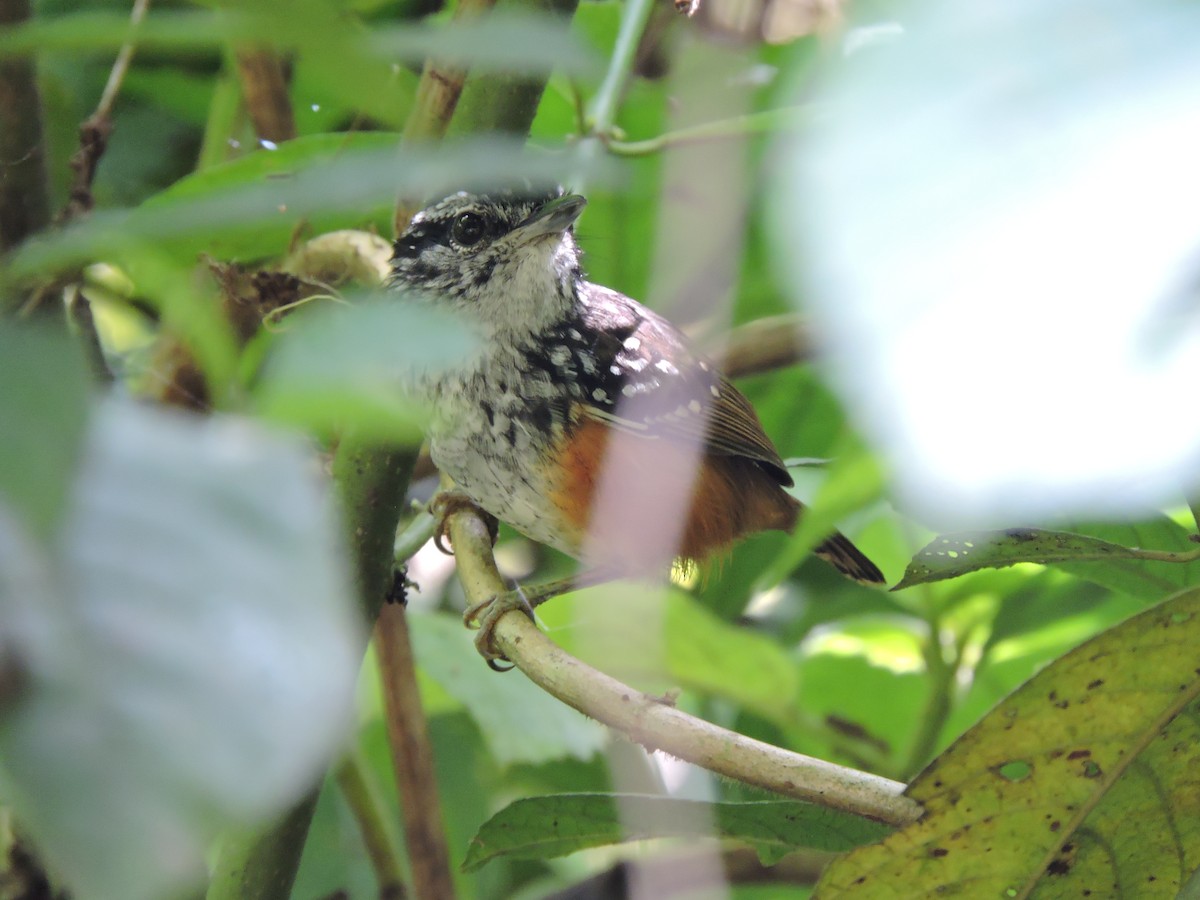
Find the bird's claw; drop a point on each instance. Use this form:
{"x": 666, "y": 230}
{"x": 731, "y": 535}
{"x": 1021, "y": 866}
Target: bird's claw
{"x": 445, "y": 504}
{"x": 486, "y": 614}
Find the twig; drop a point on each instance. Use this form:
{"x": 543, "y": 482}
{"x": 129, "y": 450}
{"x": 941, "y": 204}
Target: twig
{"x": 771, "y": 120}
{"x": 412, "y": 758}
{"x": 264, "y": 87}
{"x": 24, "y": 191}
{"x": 602, "y": 112}
{"x": 96, "y": 128}
{"x": 361, "y": 792}
{"x": 660, "y": 726}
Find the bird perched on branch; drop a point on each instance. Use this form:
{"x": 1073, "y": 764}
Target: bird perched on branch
{"x": 586, "y": 422}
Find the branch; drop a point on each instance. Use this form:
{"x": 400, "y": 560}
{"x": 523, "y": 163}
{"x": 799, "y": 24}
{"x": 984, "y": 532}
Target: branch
{"x": 791, "y": 118}
{"x": 602, "y": 112}
{"x": 24, "y": 191}
{"x": 96, "y": 128}
{"x": 361, "y": 793}
{"x": 412, "y": 758}
{"x": 659, "y": 726}
{"x": 264, "y": 87}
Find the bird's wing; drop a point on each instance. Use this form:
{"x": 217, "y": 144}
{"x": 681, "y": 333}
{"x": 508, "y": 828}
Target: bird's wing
{"x": 652, "y": 384}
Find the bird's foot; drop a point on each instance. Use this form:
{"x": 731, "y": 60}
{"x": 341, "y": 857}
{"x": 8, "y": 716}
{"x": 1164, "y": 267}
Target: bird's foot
{"x": 486, "y": 614}
{"x": 446, "y": 503}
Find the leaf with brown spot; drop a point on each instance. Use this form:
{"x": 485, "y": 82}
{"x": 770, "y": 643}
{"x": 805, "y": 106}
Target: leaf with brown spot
{"x": 1070, "y": 786}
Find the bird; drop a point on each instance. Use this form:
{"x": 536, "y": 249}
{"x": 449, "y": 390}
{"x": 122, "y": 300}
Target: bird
{"x": 573, "y": 380}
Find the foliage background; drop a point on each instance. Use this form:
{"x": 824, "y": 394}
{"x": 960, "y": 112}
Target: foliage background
{"x": 792, "y": 655}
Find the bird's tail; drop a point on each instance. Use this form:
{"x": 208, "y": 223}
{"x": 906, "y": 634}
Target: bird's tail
{"x": 838, "y": 551}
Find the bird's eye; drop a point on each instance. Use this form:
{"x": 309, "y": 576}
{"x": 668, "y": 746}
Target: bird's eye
{"x": 469, "y": 229}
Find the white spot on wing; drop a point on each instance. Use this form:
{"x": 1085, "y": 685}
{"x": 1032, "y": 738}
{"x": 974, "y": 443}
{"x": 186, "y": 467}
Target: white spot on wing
{"x": 695, "y": 406}
{"x": 632, "y": 343}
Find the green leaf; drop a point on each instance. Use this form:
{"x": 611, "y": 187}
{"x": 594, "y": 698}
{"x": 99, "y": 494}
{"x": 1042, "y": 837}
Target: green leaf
{"x": 250, "y": 208}
{"x": 1086, "y": 781}
{"x": 43, "y": 403}
{"x": 191, "y": 653}
{"x": 520, "y": 722}
{"x": 643, "y": 634}
{"x": 954, "y": 554}
{"x": 339, "y": 367}
{"x": 1144, "y": 579}
{"x": 545, "y": 827}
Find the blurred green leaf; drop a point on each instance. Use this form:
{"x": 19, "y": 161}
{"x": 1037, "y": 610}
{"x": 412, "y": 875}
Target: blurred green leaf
{"x": 337, "y": 366}
{"x": 250, "y": 208}
{"x": 520, "y": 722}
{"x": 954, "y": 554}
{"x": 43, "y": 403}
{"x": 190, "y": 660}
{"x": 1145, "y": 579}
{"x": 542, "y": 827}
{"x": 509, "y": 42}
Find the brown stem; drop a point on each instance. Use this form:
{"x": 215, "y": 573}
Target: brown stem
{"x": 24, "y": 191}
{"x": 96, "y": 129}
{"x": 264, "y": 86}
{"x": 412, "y": 758}
{"x": 437, "y": 97}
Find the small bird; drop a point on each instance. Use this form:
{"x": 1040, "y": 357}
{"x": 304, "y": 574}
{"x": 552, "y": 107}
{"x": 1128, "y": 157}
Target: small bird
{"x": 577, "y": 385}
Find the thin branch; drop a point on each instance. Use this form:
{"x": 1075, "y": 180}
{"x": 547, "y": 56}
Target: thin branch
{"x": 265, "y": 89}
{"x": 362, "y": 795}
{"x": 24, "y": 189}
{"x": 660, "y": 726}
{"x": 789, "y": 118}
{"x": 602, "y": 111}
{"x": 412, "y": 758}
{"x": 96, "y": 128}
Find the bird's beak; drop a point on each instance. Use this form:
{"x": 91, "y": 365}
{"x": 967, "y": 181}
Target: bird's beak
{"x": 554, "y": 218}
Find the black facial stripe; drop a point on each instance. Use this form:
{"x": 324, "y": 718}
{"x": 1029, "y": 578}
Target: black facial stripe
{"x": 419, "y": 238}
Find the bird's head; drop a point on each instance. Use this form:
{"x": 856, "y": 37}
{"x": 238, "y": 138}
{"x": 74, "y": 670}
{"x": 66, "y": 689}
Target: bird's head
{"x": 506, "y": 260}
